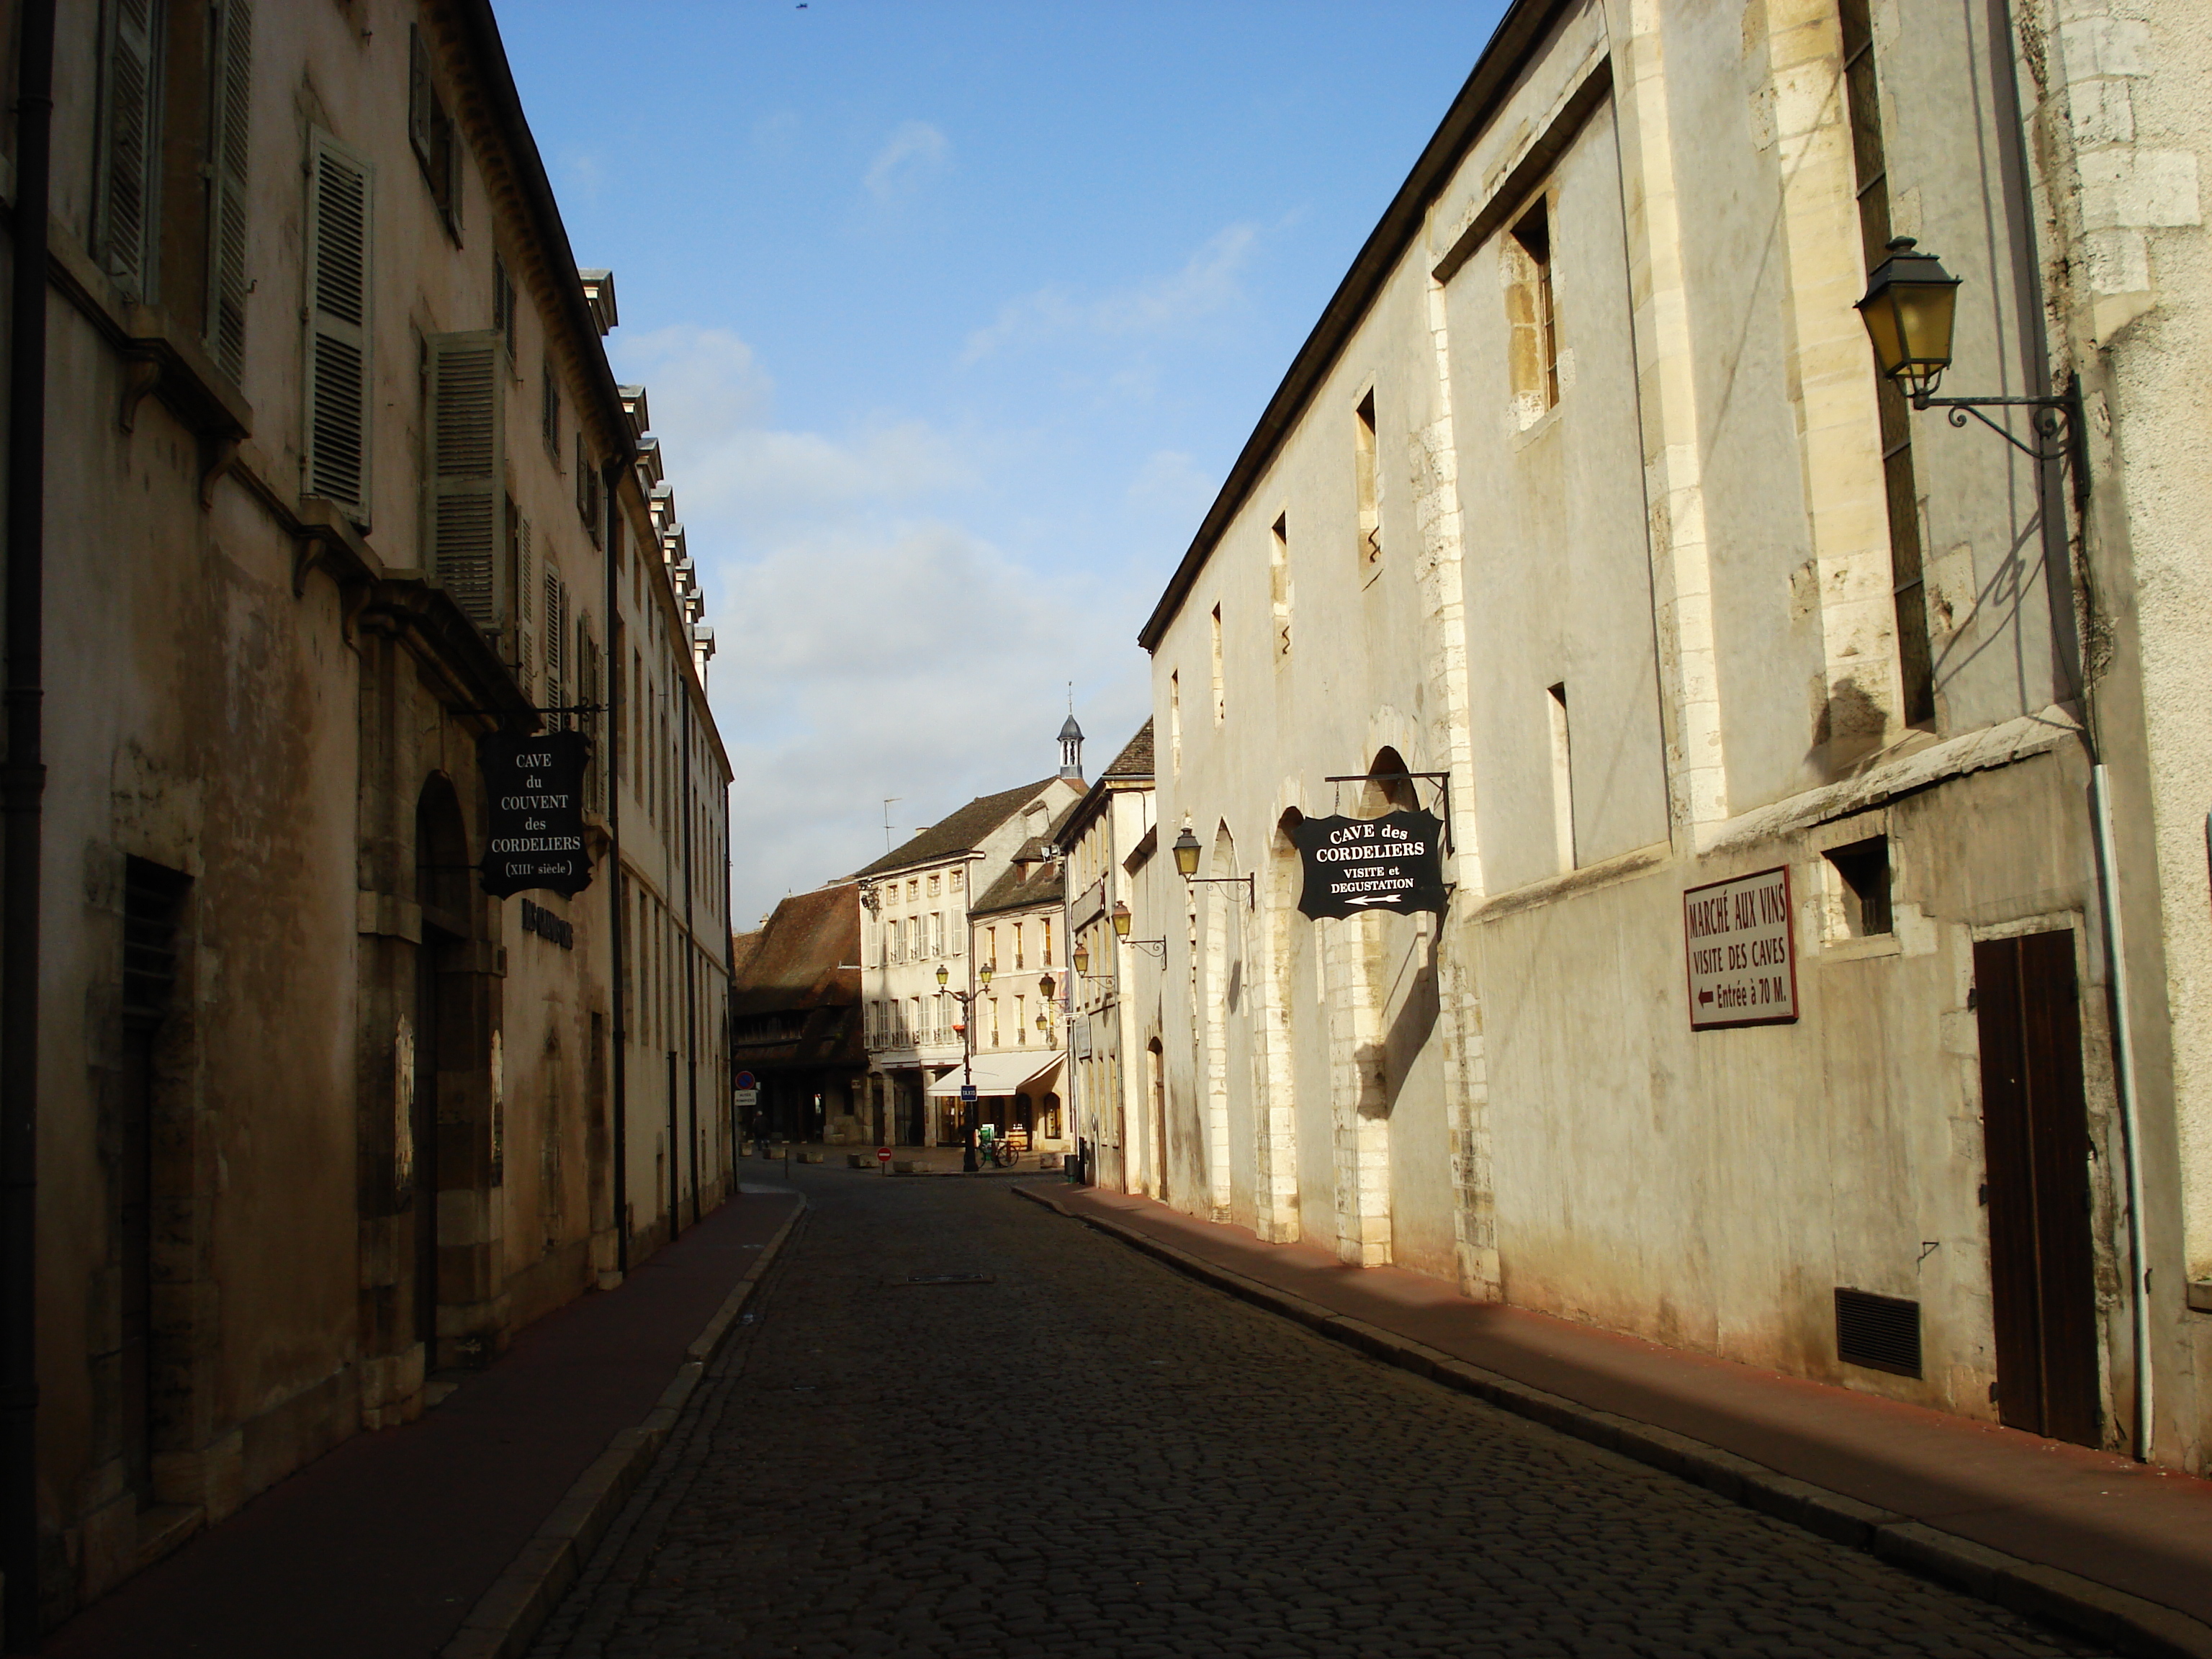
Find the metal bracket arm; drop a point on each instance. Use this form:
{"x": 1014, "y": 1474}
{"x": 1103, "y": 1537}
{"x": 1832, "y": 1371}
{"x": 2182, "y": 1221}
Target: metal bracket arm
{"x": 2056, "y": 420}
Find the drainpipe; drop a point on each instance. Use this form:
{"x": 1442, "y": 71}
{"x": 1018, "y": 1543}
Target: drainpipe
{"x": 2123, "y": 1079}
{"x": 614, "y": 469}
{"x": 22, "y": 784}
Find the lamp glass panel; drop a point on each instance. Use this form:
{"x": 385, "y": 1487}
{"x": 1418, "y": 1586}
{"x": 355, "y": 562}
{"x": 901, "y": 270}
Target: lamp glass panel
{"x": 1924, "y": 312}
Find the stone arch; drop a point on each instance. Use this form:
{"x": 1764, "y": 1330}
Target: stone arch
{"x": 1274, "y": 1072}
{"x": 1222, "y": 994}
{"x": 1155, "y": 1112}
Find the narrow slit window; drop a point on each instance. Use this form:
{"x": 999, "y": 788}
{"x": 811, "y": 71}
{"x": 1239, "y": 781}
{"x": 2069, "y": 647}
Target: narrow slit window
{"x": 1221, "y": 704}
{"x": 1535, "y": 320}
{"x": 1563, "y": 777}
{"x": 1370, "y": 514}
{"x": 1278, "y": 583}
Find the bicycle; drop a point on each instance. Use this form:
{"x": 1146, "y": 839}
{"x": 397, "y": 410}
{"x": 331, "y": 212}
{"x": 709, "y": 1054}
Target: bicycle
{"x": 1002, "y": 1154}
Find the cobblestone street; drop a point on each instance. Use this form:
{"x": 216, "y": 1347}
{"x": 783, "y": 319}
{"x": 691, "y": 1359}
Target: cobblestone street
{"x": 1090, "y": 1454}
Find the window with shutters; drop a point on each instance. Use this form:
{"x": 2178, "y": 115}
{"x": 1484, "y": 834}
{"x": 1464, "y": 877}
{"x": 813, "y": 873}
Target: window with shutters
{"x": 588, "y": 693}
{"x": 549, "y": 414}
{"x": 229, "y": 147}
{"x": 587, "y": 489}
{"x": 337, "y": 439}
{"x": 503, "y": 306}
{"x": 552, "y": 625}
{"x": 437, "y": 145}
{"x": 129, "y": 140}
{"x": 522, "y": 582}
{"x": 465, "y": 508}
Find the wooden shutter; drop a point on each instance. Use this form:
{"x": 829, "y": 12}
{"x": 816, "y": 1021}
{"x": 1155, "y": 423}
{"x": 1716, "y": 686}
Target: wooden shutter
{"x": 588, "y": 692}
{"x": 525, "y": 578}
{"x": 338, "y": 221}
{"x": 467, "y": 497}
{"x": 418, "y": 93}
{"x": 553, "y": 623}
{"x": 128, "y": 138}
{"x": 229, "y": 147}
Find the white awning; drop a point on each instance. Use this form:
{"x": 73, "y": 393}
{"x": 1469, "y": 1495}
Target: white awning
{"x": 996, "y": 1074}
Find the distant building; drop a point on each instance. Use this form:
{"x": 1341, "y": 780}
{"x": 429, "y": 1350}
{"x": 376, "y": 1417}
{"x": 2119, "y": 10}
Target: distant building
{"x": 915, "y": 901}
{"x": 1017, "y": 928}
{"x": 795, "y": 1017}
{"x": 1104, "y": 831}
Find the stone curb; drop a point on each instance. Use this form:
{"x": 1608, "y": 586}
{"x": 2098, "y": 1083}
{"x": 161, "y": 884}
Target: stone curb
{"x": 2128, "y": 1624}
{"x": 510, "y": 1614}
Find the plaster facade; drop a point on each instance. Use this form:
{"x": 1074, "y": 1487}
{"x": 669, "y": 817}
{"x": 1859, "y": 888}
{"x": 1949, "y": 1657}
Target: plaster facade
{"x": 337, "y": 482}
{"x": 1583, "y": 520}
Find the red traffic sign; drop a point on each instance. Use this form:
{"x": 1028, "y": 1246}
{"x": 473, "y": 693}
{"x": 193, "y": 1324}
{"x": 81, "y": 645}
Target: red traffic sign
{"x": 882, "y": 1154}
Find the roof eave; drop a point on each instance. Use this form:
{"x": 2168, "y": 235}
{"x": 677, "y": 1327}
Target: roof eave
{"x": 1518, "y": 33}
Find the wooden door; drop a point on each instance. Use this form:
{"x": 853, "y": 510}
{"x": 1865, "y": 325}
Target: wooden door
{"x": 2035, "y": 1138}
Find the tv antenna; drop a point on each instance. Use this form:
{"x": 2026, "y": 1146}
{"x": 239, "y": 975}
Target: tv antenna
{"x": 890, "y": 801}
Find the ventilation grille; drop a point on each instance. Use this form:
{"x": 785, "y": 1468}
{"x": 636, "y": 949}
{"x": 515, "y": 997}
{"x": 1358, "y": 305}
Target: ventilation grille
{"x": 151, "y": 899}
{"x": 1879, "y": 1332}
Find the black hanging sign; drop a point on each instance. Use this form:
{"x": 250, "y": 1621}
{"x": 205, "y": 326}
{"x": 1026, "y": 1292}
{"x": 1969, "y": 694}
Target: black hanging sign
{"x": 1394, "y": 863}
{"x": 537, "y": 789}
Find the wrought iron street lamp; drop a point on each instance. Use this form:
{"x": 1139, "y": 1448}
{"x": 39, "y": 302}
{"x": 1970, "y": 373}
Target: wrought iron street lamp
{"x": 1158, "y": 947}
{"x": 1081, "y": 956}
{"x": 967, "y": 1164}
{"x": 1186, "y": 857}
{"x": 1909, "y": 309}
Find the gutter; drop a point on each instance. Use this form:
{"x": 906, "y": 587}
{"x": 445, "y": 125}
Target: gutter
{"x": 619, "y": 1058}
{"x": 1520, "y": 31}
{"x": 22, "y": 789}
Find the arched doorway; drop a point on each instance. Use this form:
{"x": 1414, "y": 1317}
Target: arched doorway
{"x": 1156, "y": 1090}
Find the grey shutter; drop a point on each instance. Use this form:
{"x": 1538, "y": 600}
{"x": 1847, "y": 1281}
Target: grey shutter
{"x": 467, "y": 496}
{"x": 338, "y": 181}
{"x": 128, "y": 138}
{"x": 526, "y": 578}
{"x": 418, "y": 93}
{"x": 553, "y": 623}
{"x": 588, "y": 692}
{"x": 230, "y": 145}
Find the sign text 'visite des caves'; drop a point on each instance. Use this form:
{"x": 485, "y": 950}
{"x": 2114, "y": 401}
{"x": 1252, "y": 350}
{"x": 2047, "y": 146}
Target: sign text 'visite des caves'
{"x": 1393, "y": 863}
{"x": 1740, "y": 953}
{"x": 537, "y": 788}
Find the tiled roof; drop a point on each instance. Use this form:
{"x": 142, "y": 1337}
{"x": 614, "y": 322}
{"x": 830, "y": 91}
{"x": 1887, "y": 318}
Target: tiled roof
{"x": 960, "y": 832}
{"x": 798, "y": 961}
{"x": 1135, "y": 760}
{"x": 1045, "y": 882}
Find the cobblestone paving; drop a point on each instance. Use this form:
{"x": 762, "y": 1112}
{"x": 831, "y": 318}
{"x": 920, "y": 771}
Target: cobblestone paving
{"x": 1094, "y": 1455}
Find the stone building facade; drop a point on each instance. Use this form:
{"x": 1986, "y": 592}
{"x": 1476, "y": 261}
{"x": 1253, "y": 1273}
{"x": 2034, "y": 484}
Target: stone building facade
{"x": 1017, "y": 928}
{"x": 1583, "y": 520}
{"x": 1106, "y": 1073}
{"x": 336, "y": 481}
{"x": 915, "y": 901}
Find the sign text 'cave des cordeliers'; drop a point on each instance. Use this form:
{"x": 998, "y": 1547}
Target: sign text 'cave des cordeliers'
{"x": 536, "y": 790}
{"x": 1394, "y": 863}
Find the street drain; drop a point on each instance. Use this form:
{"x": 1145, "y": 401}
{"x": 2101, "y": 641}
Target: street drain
{"x": 944, "y": 1278}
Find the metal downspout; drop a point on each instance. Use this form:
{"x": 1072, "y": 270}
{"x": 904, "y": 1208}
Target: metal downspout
{"x": 2124, "y": 1080}
{"x": 614, "y": 470}
{"x": 23, "y": 783}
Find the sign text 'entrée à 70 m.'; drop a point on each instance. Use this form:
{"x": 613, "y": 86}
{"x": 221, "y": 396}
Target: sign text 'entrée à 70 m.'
{"x": 1740, "y": 951}
{"x": 536, "y": 786}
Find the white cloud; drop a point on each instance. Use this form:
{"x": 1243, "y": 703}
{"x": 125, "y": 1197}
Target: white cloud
{"x": 913, "y": 151}
{"x": 871, "y": 644}
{"x": 1207, "y": 284}
{"x": 1170, "y": 485}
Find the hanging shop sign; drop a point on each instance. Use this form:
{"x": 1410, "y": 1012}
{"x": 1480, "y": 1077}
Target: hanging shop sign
{"x": 1395, "y": 862}
{"x": 537, "y": 789}
{"x": 1741, "y": 952}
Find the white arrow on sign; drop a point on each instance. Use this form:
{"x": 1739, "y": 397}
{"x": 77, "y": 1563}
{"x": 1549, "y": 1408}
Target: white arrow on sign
{"x": 1382, "y": 899}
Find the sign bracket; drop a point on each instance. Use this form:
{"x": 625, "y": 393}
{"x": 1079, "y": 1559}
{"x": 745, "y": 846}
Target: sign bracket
{"x": 1441, "y": 780}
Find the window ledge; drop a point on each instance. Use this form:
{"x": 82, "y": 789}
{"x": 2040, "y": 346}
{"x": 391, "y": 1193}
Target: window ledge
{"x": 160, "y": 356}
{"x": 1862, "y": 949}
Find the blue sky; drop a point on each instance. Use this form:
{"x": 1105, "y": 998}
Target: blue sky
{"x": 952, "y": 317}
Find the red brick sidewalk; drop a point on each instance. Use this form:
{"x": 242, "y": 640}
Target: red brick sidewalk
{"x": 380, "y": 1550}
{"x": 1922, "y": 1477}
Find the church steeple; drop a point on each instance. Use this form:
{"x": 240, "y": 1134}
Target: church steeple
{"x": 1071, "y": 750}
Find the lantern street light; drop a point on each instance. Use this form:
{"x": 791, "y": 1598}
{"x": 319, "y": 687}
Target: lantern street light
{"x": 1185, "y": 858}
{"x": 1158, "y": 947}
{"x": 1081, "y": 956}
{"x": 968, "y": 1163}
{"x": 1909, "y": 309}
